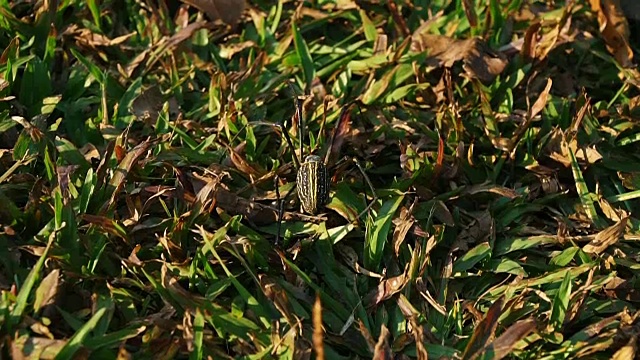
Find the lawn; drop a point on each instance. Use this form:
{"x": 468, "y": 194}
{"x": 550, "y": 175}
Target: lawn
{"x": 483, "y": 174}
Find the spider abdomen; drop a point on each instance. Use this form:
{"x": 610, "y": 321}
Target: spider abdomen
{"x": 313, "y": 184}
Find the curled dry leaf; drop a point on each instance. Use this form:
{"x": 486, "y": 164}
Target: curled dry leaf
{"x": 506, "y": 342}
{"x": 480, "y": 61}
{"x": 124, "y": 167}
{"x": 274, "y": 292}
{"x": 614, "y": 29}
{"x": 228, "y": 11}
{"x": 382, "y": 350}
{"x": 606, "y": 237}
{"x": 558, "y": 149}
{"x": 85, "y": 38}
{"x": 557, "y": 36}
{"x": 402, "y": 226}
{"x": 386, "y": 289}
{"x": 484, "y": 331}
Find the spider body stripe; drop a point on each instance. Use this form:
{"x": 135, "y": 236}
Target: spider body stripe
{"x": 313, "y": 184}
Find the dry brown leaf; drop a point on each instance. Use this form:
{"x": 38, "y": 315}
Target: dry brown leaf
{"x": 364, "y": 331}
{"x": 318, "y": 331}
{"x": 505, "y": 343}
{"x": 614, "y": 29}
{"x": 274, "y": 292}
{"x": 541, "y": 101}
{"x": 557, "y": 36}
{"x": 532, "y": 112}
{"x": 47, "y": 290}
{"x": 31, "y": 347}
{"x": 386, "y": 289}
{"x": 339, "y": 134}
{"x": 402, "y": 226}
{"x": 470, "y": 11}
{"x": 228, "y": 11}
{"x": 479, "y": 61}
{"x": 488, "y": 187}
{"x": 351, "y": 257}
{"x": 528, "y": 50}
{"x": 559, "y": 150}
{"x": 484, "y": 331}
{"x": 606, "y": 237}
{"x": 64, "y": 174}
{"x": 382, "y": 350}
{"x": 107, "y": 224}
{"x": 88, "y": 39}
{"x": 241, "y": 163}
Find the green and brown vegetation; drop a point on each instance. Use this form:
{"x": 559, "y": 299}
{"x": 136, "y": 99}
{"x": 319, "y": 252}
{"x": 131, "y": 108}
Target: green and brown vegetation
{"x": 141, "y": 147}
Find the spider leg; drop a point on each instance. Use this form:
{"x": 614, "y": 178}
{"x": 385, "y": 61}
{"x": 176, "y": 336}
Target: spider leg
{"x": 366, "y": 179}
{"x": 280, "y": 203}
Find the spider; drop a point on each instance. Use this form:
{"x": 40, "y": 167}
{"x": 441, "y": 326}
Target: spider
{"x": 312, "y": 178}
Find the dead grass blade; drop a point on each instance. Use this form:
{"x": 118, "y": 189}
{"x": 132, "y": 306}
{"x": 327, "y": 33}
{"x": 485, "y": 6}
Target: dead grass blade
{"x": 318, "y": 331}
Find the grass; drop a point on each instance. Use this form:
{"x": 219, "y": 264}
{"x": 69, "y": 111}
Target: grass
{"x": 141, "y": 148}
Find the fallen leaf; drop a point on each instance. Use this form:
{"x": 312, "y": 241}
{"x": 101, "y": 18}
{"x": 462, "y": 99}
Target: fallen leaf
{"x": 64, "y": 176}
{"x": 228, "y": 11}
{"x": 386, "y": 289}
{"x": 339, "y": 133}
{"x": 614, "y": 29}
{"x": 557, "y": 36}
{"x": 47, "y": 290}
{"x": 470, "y": 12}
{"x": 530, "y": 42}
{"x": 382, "y": 350}
{"x": 491, "y": 188}
{"x": 154, "y": 53}
{"x": 278, "y": 297}
{"x": 479, "y": 61}
{"x": 484, "y": 331}
{"x": 559, "y": 149}
{"x": 505, "y": 343}
{"x": 31, "y": 347}
{"x": 606, "y": 237}
{"x": 402, "y": 226}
